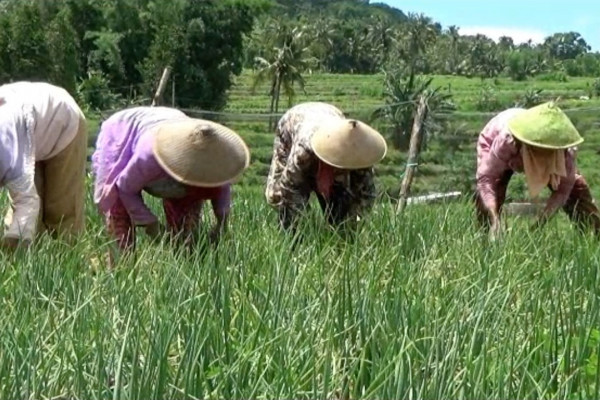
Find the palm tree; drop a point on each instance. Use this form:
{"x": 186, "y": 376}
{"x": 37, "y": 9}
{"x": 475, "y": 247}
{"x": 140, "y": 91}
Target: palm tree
{"x": 284, "y": 68}
{"x": 506, "y": 43}
{"x": 419, "y": 34}
{"x": 321, "y": 35}
{"x": 454, "y": 36}
{"x": 484, "y": 57}
{"x": 381, "y": 36}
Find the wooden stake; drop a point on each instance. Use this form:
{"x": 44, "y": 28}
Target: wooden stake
{"x": 413, "y": 153}
{"x": 161, "y": 86}
{"x": 173, "y": 93}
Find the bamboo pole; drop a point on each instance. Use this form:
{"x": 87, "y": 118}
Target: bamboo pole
{"x": 161, "y": 86}
{"x": 413, "y": 153}
{"x": 173, "y": 93}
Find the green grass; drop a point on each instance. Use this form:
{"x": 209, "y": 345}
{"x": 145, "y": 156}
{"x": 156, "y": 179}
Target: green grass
{"x": 413, "y": 306}
{"x": 360, "y": 93}
{"x": 417, "y": 306}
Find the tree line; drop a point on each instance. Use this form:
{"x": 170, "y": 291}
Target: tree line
{"x": 357, "y": 37}
{"x": 105, "y": 51}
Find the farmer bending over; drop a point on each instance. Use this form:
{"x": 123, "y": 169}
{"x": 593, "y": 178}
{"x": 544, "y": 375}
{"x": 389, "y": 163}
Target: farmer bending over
{"x": 539, "y": 141}
{"x": 317, "y": 150}
{"x": 162, "y": 151}
{"x": 43, "y": 144}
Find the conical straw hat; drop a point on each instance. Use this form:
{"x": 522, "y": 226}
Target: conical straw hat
{"x": 348, "y": 144}
{"x": 200, "y": 153}
{"x": 545, "y": 126}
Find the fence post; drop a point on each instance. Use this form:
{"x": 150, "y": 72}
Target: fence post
{"x": 173, "y": 93}
{"x": 161, "y": 86}
{"x": 413, "y": 153}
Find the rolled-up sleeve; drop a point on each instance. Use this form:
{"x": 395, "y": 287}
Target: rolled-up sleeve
{"x": 130, "y": 184}
{"x": 25, "y": 201}
{"x": 492, "y": 164}
{"x": 221, "y": 203}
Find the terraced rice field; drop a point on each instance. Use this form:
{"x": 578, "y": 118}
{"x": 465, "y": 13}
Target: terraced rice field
{"x": 449, "y": 161}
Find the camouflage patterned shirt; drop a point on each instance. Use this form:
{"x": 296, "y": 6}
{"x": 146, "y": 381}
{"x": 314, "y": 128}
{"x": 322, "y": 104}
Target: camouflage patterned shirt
{"x": 292, "y": 176}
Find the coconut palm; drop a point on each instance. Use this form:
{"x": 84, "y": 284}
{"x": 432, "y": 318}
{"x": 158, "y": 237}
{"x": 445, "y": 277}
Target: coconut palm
{"x": 454, "y": 36}
{"x": 320, "y": 36}
{"x": 380, "y": 35}
{"x": 284, "y": 67}
{"x": 419, "y": 33}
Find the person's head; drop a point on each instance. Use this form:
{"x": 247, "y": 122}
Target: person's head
{"x": 544, "y": 127}
{"x": 200, "y": 153}
{"x": 544, "y": 132}
{"x": 343, "y": 145}
{"x": 348, "y": 144}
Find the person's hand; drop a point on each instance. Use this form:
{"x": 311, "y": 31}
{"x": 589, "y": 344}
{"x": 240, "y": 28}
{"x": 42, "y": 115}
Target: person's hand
{"x": 540, "y": 222}
{"x": 154, "y": 230}
{"x": 536, "y": 225}
{"x": 11, "y": 244}
{"x": 188, "y": 239}
{"x": 214, "y": 235}
{"x": 495, "y": 230}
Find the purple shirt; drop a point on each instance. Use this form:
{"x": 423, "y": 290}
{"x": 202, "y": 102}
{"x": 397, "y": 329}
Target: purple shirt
{"x": 498, "y": 152}
{"x": 124, "y": 164}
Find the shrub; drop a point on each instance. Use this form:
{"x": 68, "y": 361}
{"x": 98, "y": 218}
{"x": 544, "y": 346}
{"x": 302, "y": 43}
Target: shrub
{"x": 555, "y": 76}
{"x": 594, "y": 88}
{"x": 488, "y": 99}
{"x": 402, "y": 92}
{"x": 518, "y": 66}
{"x": 94, "y": 93}
{"x": 532, "y": 97}
{"x": 573, "y": 68}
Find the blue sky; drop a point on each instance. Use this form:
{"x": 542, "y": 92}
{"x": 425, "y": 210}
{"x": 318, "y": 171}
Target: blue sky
{"x": 520, "y": 19}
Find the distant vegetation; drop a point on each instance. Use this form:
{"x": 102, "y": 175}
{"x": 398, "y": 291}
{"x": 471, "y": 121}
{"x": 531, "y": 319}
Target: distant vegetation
{"x": 112, "y": 52}
{"x": 448, "y": 162}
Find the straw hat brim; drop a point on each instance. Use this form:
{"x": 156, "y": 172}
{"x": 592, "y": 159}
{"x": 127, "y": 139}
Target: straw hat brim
{"x": 200, "y": 153}
{"x": 545, "y": 126}
{"x": 546, "y": 146}
{"x": 348, "y": 144}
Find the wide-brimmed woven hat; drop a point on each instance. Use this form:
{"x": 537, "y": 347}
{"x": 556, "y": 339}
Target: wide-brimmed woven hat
{"x": 200, "y": 153}
{"x": 545, "y": 126}
{"x": 348, "y": 144}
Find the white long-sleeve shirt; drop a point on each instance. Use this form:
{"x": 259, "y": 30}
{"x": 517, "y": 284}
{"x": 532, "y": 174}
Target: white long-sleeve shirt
{"x": 51, "y": 121}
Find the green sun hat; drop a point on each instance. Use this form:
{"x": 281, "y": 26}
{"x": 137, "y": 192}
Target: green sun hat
{"x": 545, "y": 126}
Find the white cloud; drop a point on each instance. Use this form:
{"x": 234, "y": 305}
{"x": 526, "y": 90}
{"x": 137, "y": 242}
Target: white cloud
{"x": 518, "y": 35}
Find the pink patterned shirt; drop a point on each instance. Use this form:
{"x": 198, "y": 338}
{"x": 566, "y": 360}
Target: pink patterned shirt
{"x": 498, "y": 152}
